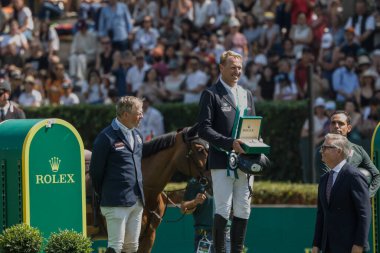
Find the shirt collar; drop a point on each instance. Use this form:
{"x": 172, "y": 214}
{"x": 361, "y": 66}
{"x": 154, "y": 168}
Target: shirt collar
{"x": 122, "y": 127}
{"x": 337, "y": 168}
{"x": 228, "y": 88}
{"x": 6, "y": 107}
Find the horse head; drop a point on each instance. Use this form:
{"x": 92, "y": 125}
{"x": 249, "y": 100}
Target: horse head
{"x": 196, "y": 153}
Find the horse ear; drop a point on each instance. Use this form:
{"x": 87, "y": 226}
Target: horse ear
{"x": 193, "y": 131}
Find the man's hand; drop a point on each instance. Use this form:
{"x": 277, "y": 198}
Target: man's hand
{"x": 357, "y": 249}
{"x": 236, "y": 146}
{"x": 315, "y": 250}
{"x": 200, "y": 198}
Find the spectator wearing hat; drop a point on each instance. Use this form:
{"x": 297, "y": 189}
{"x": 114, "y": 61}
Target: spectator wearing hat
{"x": 319, "y": 121}
{"x": 367, "y": 87}
{"x": 271, "y": 37}
{"x": 30, "y": 97}
{"x": 350, "y": 47}
{"x": 364, "y": 63}
{"x": 152, "y": 125}
{"x": 115, "y": 22}
{"x": 68, "y": 97}
{"x": 235, "y": 40}
{"x": 218, "y": 12}
{"x": 345, "y": 80}
{"x": 8, "y": 109}
{"x": 83, "y": 51}
{"x": 328, "y": 57}
{"x": 364, "y": 25}
{"x": 146, "y": 36}
{"x": 172, "y": 82}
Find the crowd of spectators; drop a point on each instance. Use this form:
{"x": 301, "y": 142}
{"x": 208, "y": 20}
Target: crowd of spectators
{"x": 168, "y": 51}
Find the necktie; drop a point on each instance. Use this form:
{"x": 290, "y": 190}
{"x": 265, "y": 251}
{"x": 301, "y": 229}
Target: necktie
{"x": 130, "y": 138}
{"x": 329, "y": 186}
{"x": 2, "y": 114}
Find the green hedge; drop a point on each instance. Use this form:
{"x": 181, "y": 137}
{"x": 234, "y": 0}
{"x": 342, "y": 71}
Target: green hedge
{"x": 265, "y": 193}
{"x": 282, "y": 123}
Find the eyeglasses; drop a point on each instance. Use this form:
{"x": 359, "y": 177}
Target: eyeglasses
{"x": 324, "y": 147}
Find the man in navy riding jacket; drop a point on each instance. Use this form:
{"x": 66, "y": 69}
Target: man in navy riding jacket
{"x": 219, "y": 106}
{"x": 115, "y": 170}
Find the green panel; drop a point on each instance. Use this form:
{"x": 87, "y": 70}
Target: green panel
{"x": 270, "y": 229}
{"x": 12, "y": 135}
{"x": 375, "y": 152}
{"x": 55, "y": 180}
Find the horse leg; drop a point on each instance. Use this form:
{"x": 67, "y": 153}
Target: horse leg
{"x": 149, "y": 226}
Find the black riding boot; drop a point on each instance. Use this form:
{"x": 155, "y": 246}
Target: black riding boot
{"x": 218, "y": 234}
{"x": 238, "y": 231}
{"x": 110, "y": 250}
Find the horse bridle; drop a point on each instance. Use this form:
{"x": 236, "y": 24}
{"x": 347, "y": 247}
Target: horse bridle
{"x": 203, "y": 180}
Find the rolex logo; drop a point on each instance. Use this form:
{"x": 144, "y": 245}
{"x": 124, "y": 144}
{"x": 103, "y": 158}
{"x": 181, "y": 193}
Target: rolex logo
{"x": 54, "y": 163}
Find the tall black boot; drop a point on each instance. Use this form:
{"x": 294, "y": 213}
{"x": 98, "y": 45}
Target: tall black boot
{"x": 218, "y": 233}
{"x": 110, "y": 250}
{"x": 238, "y": 231}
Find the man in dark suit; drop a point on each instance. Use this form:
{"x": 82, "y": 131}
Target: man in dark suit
{"x": 115, "y": 170}
{"x": 344, "y": 209}
{"x": 219, "y": 106}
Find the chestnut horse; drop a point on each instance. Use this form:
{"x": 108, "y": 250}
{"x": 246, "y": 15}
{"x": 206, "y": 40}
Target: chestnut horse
{"x": 181, "y": 151}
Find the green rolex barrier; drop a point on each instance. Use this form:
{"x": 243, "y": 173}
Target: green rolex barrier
{"x": 42, "y": 175}
{"x": 375, "y": 153}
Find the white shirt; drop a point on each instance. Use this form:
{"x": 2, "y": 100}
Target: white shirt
{"x": 135, "y": 76}
{"x": 194, "y": 80}
{"x": 72, "y": 99}
{"x": 127, "y": 132}
{"x": 239, "y": 95}
{"x": 337, "y": 169}
{"x": 33, "y": 98}
{"x": 152, "y": 124}
{"x": 200, "y": 12}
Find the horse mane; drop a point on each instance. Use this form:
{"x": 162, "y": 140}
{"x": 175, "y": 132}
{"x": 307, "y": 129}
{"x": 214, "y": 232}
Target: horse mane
{"x": 157, "y": 144}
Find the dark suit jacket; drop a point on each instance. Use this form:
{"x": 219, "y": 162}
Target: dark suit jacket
{"x": 115, "y": 169}
{"x": 345, "y": 221}
{"x": 216, "y": 120}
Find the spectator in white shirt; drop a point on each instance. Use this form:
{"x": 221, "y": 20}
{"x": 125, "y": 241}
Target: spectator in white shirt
{"x": 68, "y": 97}
{"x": 30, "y": 97}
{"x": 195, "y": 82}
{"x": 136, "y": 74}
{"x": 152, "y": 124}
{"x": 83, "y": 51}
{"x": 24, "y": 18}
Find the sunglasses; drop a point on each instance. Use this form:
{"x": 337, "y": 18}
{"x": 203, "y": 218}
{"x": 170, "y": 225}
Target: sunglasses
{"x": 324, "y": 147}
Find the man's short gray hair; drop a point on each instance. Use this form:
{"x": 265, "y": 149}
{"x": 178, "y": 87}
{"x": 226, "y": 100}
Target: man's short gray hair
{"x": 127, "y": 104}
{"x": 341, "y": 142}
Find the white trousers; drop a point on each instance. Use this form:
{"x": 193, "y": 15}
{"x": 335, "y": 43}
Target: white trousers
{"x": 78, "y": 66}
{"x": 123, "y": 227}
{"x": 228, "y": 190}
